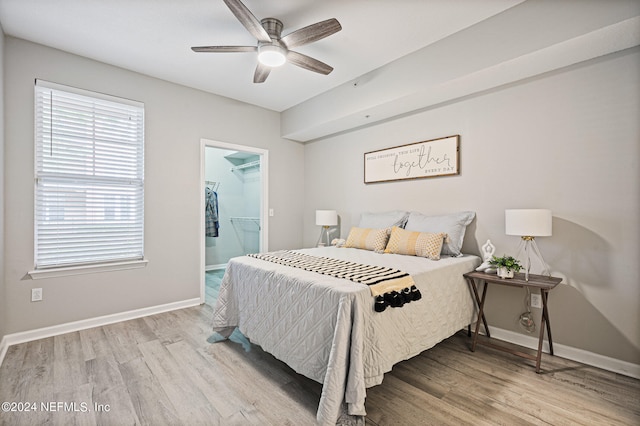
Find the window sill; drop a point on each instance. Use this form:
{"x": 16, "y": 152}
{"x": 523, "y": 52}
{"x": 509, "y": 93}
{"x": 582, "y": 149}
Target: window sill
{"x": 86, "y": 269}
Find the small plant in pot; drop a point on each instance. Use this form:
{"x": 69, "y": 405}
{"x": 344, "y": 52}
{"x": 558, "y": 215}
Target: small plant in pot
{"x": 506, "y": 266}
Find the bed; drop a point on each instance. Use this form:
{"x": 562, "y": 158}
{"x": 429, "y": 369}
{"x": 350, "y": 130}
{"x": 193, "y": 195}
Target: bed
{"x": 326, "y": 328}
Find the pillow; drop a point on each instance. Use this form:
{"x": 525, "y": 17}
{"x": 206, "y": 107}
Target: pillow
{"x": 384, "y": 219}
{"x": 367, "y": 239}
{"x": 454, "y": 225}
{"x": 413, "y": 243}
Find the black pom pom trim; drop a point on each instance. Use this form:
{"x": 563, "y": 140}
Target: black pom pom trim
{"x": 380, "y": 305}
{"x": 416, "y": 293}
{"x": 397, "y": 299}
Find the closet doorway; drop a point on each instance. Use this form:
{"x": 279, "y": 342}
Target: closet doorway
{"x": 234, "y": 207}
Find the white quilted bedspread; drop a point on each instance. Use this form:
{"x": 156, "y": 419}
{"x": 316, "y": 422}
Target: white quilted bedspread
{"x": 325, "y": 328}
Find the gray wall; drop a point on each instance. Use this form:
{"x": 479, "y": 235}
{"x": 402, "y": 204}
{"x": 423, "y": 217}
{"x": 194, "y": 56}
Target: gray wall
{"x": 3, "y": 298}
{"x": 568, "y": 141}
{"x": 176, "y": 119}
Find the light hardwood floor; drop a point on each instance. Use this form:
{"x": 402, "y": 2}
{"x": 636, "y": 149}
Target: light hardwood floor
{"x": 160, "y": 370}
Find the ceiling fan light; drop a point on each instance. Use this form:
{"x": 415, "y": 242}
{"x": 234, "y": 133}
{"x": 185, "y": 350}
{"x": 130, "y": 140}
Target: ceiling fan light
{"x": 271, "y": 56}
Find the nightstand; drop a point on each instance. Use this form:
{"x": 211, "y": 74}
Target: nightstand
{"x": 541, "y": 282}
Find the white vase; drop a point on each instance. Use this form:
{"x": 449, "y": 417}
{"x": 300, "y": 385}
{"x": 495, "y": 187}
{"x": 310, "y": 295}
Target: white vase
{"x": 504, "y": 272}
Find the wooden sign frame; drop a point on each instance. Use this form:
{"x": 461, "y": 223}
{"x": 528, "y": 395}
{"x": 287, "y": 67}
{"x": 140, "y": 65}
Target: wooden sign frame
{"x": 418, "y": 160}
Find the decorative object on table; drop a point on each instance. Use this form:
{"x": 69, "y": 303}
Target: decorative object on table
{"x": 488, "y": 250}
{"x": 435, "y": 157}
{"x": 528, "y": 224}
{"x": 326, "y": 219}
{"x": 506, "y": 266}
{"x": 338, "y": 242}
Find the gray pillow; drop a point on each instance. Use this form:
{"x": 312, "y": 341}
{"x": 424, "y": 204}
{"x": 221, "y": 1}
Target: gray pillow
{"x": 383, "y": 219}
{"x": 454, "y": 225}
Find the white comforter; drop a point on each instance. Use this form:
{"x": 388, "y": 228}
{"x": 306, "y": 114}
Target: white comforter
{"x": 325, "y": 328}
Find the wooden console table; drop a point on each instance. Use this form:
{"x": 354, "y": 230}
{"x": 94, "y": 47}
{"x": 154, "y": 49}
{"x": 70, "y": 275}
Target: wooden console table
{"x": 541, "y": 282}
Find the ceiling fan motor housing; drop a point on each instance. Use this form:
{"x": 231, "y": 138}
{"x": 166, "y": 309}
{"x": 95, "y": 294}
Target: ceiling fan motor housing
{"x": 272, "y": 54}
{"x": 273, "y": 27}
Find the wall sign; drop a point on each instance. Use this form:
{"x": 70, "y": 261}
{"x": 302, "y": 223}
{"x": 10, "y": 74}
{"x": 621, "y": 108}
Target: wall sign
{"x": 436, "y": 157}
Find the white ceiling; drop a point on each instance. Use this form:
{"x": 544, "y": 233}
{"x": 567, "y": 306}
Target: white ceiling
{"x": 391, "y": 57}
{"x": 154, "y": 37}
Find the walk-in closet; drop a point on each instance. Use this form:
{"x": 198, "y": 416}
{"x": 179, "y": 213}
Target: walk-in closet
{"x": 232, "y": 205}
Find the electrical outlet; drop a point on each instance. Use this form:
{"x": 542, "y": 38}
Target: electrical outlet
{"x": 36, "y": 294}
{"x": 536, "y": 301}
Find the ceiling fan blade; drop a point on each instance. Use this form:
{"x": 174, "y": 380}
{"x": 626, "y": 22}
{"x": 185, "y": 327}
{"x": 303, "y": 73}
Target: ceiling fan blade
{"x": 224, "y": 48}
{"x": 261, "y": 73}
{"x": 308, "y": 63}
{"x": 311, "y": 33}
{"x": 247, "y": 19}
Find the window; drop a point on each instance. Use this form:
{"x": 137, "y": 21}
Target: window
{"x": 89, "y": 178}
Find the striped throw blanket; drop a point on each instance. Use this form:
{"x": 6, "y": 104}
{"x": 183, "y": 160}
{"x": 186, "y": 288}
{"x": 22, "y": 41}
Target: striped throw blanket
{"x": 389, "y": 287}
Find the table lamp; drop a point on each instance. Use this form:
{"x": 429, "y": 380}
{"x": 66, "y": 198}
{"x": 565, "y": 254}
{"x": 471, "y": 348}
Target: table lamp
{"x": 326, "y": 219}
{"x": 528, "y": 224}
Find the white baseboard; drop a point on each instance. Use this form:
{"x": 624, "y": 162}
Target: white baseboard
{"x": 3, "y": 348}
{"x": 215, "y": 267}
{"x": 568, "y": 352}
{"x": 55, "y": 330}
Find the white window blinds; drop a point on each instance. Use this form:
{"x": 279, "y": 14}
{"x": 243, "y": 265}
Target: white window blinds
{"x": 89, "y": 196}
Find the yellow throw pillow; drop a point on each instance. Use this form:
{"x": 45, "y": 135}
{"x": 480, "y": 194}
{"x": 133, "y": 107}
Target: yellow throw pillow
{"x": 367, "y": 239}
{"x": 412, "y": 243}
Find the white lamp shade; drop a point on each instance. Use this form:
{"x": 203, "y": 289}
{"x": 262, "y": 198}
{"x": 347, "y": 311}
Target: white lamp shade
{"x": 528, "y": 222}
{"x": 326, "y": 217}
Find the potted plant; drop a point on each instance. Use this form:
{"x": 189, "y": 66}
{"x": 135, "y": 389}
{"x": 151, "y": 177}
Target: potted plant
{"x": 506, "y": 266}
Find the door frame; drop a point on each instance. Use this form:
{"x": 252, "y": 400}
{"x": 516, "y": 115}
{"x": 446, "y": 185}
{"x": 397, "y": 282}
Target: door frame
{"x": 264, "y": 198}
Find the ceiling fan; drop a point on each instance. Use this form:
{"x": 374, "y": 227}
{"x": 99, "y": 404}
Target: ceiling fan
{"x": 273, "y": 49}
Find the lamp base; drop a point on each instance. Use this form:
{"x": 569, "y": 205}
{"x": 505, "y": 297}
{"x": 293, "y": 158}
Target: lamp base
{"x": 323, "y": 232}
{"x": 528, "y": 245}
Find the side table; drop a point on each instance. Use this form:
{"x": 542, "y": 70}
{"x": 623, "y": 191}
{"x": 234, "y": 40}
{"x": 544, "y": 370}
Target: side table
{"x": 541, "y": 282}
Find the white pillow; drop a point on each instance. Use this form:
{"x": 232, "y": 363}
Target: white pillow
{"x": 383, "y": 219}
{"x": 454, "y": 225}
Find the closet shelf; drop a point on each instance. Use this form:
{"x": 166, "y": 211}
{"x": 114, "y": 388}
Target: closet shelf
{"x": 255, "y": 220}
{"x": 246, "y": 165}
{"x": 214, "y": 185}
